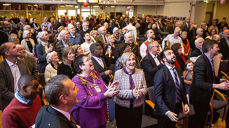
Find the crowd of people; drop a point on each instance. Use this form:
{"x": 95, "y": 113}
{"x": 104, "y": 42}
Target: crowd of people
{"x": 95, "y": 72}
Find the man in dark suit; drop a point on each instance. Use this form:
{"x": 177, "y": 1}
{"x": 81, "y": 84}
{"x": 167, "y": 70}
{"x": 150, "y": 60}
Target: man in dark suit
{"x": 224, "y": 45}
{"x": 61, "y": 94}
{"x": 103, "y": 37}
{"x": 203, "y": 83}
{"x": 186, "y": 26}
{"x": 29, "y": 61}
{"x": 10, "y": 71}
{"x": 198, "y": 50}
{"x": 169, "y": 92}
{"x": 99, "y": 62}
{"x": 151, "y": 63}
{"x": 75, "y": 38}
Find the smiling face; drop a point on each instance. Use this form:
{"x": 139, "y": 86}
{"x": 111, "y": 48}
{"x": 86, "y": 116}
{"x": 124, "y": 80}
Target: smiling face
{"x": 55, "y": 57}
{"x": 131, "y": 63}
{"x": 71, "y": 55}
{"x": 87, "y": 65}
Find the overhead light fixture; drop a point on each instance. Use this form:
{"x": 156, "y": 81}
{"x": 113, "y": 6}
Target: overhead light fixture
{"x": 6, "y": 4}
{"x": 112, "y": 6}
{"x": 35, "y": 5}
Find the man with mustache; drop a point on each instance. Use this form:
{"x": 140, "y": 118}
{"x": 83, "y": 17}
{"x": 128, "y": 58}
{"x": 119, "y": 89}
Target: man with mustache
{"x": 169, "y": 92}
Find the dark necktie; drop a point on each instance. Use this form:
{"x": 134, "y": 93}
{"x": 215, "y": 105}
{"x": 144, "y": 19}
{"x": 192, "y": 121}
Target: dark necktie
{"x": 178, "y": 98}
{"x": 73, "y": 122}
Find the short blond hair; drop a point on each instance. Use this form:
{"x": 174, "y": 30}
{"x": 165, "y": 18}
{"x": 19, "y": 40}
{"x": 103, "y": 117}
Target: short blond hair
{"x": 125, "y": 56}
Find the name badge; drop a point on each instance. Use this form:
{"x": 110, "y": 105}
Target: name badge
{"x": 97, "y": 89}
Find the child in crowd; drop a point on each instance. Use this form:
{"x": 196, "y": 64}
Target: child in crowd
{"x": 188, "y": 75}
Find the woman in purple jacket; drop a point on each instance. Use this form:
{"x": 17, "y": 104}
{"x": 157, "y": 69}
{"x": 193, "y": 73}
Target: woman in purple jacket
{"x": 91, "y": 111}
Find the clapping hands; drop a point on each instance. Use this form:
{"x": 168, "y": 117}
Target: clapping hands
{"x": 111, "y": 91}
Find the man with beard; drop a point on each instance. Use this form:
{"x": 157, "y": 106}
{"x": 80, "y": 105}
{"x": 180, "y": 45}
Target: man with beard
{"x": 204, "y": 82}
{"x": 169, "y": 92}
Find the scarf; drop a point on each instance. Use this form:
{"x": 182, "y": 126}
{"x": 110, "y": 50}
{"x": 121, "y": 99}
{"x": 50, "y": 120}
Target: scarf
{"x": 130, "y": 78}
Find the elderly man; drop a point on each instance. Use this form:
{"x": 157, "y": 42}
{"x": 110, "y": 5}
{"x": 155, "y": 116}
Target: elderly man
{"x": 173, "y": 39}
{"x": 224, "y": 44}
{"x": 103, "y": 37}
{"x": 61, "y": 93}
{"x": 75, "y": 38}
{"x": 10, "y": 71}
{"x": 23, "y": 109}
{"x": 85, "y": 28}
{"x": 29, "y": 61}
{"x": 198, "y": 51}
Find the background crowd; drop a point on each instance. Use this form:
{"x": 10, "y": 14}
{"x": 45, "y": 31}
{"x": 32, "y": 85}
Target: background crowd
{"x": 89, "y": 73}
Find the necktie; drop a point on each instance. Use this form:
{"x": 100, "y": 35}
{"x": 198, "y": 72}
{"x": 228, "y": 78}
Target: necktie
{"x": 178, "y": 98}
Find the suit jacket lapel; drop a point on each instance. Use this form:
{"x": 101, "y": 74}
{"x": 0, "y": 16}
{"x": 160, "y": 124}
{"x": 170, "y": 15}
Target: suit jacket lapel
{"x": 97, "y": 63}
{"x": 152, "y": 60}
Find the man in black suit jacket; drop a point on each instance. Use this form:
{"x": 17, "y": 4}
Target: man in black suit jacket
{"x": 224, "y": 45}
{"x": 99, "y": 62}
{"x": 151, "y": 63}
{"x": 169, "y": 92}
{"x": 203, "y": 83}
{"x": 8, "y": 76}
{"x": 56, "y": 115}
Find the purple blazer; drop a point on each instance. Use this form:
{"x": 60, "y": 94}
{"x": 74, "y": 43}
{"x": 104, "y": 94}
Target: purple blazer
{"x": 91, "y": 111}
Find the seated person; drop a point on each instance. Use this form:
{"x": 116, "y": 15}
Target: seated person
{"x": 23, "y": 109}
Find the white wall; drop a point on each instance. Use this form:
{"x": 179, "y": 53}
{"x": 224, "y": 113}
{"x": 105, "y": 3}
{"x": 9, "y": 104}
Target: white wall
{"x": 177, "y": 8}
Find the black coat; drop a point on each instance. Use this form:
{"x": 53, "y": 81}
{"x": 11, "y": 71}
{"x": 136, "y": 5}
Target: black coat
{"x": 48, "y": 117}
{"x": 195, "y": 53}
{"x": 165, "y": 91}
{"x": 224, "y": 49}
{"x": 203, "y": 78}
{"x": 41, "y": 58}
{"x": 150, "y": 68}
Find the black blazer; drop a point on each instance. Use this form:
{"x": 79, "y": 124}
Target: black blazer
{"x": 48, "y": 117}
{"x": 100, "y": 69}
{"x": 165, "y": 91}
{"x": 41, "y": 58}
{"x": 7, "y": 82}
{"x": 203, "y": 79}
{"x": 195, "y": 53}
{"x": 224, "y": 48}
{"x": 150, "y": 68}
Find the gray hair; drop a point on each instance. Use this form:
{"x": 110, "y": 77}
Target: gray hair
{"x": 101, "y": 29}
{"x": 115, "y": 29}
{"x": 25, "y": 34}
{"x": 40, "y": 35}
{"x": 55, "y": 88}
{"x": 198, "y": 40}
{"x": 49, "y": 56}
{"x": 70, "y": 26}
{"x": 60, "y": 36}
{"x": 125, "y": 56}
{"x": 26, "y": 27}
{"x": 93, "y": 32}
{"x": 198, "y": 30}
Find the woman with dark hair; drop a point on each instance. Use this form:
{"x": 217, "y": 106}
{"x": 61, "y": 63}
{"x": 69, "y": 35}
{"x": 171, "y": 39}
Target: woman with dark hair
{"x": 91, "y": 111}
{"x": 180, "y": 58}
{"x": 66, "y": 67}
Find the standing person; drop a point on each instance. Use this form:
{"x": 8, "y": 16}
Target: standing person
{"x": 132, "y": 86}
{"x": 23, "y": 109}
{"x": 10, "y": 71}
{"x": 169, "y": 92}
{"x": 91, "y": 111}
{"x": 66, "y": 67}
{"x": 150, "y": 38}
{"x": 61, "y": 93}
{"x": 204, "y": 83}
{"x": 224, "y": 44}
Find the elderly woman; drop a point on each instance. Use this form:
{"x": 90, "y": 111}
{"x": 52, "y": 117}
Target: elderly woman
{"x": 132, "y": 86}
{"x": 116, "y": 34}
{"x": 64, "y": 41}
{"x": 42, "y": 49}
{"x": 91, "y": 111}
{"x": 53, "y": 63}
{"x": 28, "y": 43}
{"x": 66, "y": 67}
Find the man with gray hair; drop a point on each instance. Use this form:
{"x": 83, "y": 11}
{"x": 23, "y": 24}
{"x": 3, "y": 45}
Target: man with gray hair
{"x": 61, "y": 93}
{"x": 75, "y": 38}
{"x": 103, "y": 37}
{"x": 173, "y": 39}
{"x": 198, "y": 51}
{"x": 224, "y": 44}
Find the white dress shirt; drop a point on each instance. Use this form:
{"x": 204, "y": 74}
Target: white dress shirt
{"x": 99, "y": 60}
{"x": 66, "y": 114}
{"x": 15, "y": 72}
{"x": 155, "y": 59}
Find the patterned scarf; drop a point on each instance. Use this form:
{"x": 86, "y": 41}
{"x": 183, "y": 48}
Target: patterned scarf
{"x": 130, "y": 78}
